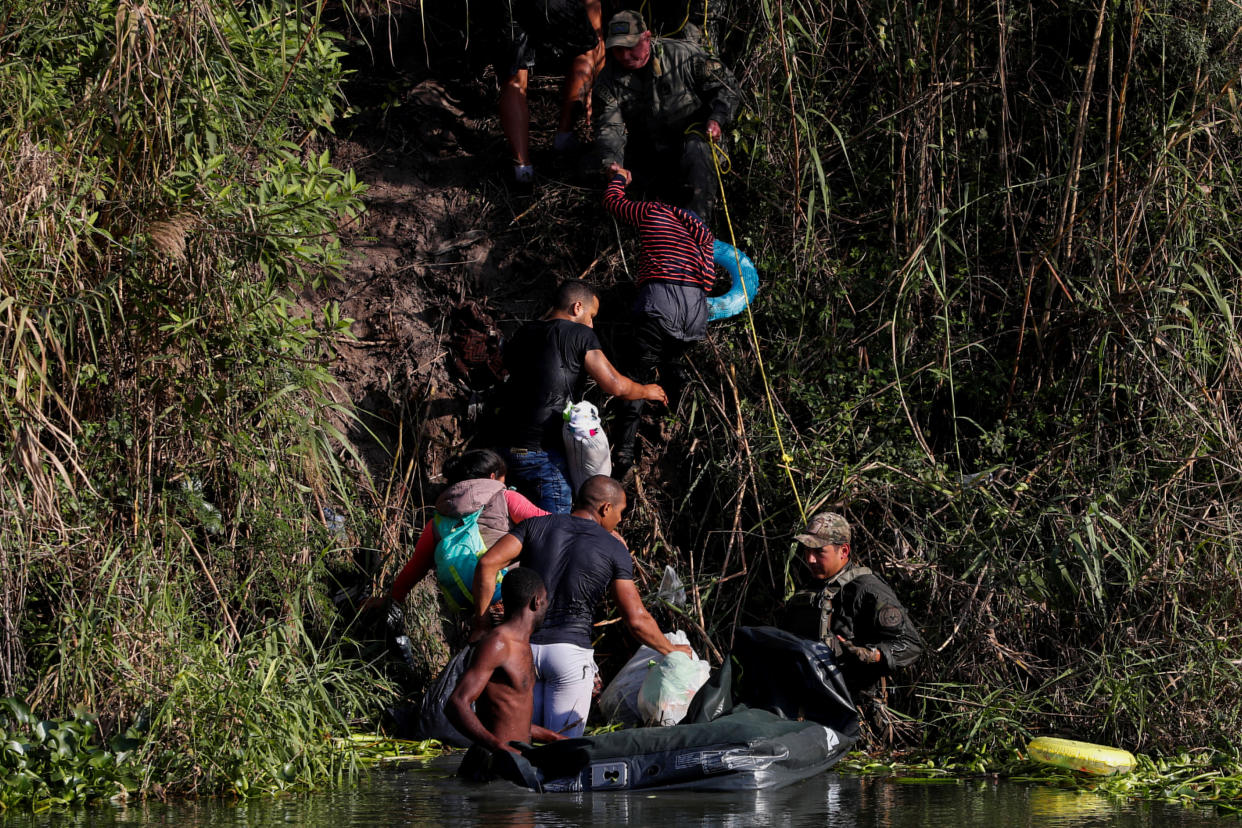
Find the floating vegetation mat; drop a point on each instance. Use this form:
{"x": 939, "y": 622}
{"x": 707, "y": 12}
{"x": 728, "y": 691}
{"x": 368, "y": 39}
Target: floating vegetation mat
{"x": 1203, "y": 779}
{"x": 371, "y": 750}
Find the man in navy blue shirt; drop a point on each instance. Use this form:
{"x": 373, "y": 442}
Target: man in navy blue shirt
{"x": 580, "y": 559}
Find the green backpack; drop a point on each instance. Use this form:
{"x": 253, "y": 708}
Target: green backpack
{"x": 457, "y": 553}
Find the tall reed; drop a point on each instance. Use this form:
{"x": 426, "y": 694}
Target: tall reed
{"x": 1000, "y": 318}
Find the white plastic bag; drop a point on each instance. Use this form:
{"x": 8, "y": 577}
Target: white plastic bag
{"x": 586, "y": 445}
{"x": 669, "y": 688}
{"x": 620, "y": 699}
{"x": 671, "y": 590}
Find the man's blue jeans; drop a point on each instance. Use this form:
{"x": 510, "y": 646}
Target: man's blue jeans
{"x": 542, "y": 476}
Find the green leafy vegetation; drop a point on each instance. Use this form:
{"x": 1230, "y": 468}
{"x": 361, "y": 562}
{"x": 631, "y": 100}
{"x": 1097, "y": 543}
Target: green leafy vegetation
{"x": 999, "y": 320}
{"x": 999, "y": 328}
{"x": 166, "y": 434}
{"x": 50, "y": 763}
{"x": 377, "y": 750}
{"x": 1203, "y": 778}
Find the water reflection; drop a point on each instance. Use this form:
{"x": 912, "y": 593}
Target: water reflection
{"x": 432, "y": 796}
{"x": 1050, "y": 806}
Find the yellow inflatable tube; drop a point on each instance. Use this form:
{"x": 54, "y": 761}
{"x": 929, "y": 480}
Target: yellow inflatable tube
{"x": 1081, "y": 756}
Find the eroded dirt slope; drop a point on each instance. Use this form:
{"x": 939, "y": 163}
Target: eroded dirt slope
{"x": 443, "y": 225}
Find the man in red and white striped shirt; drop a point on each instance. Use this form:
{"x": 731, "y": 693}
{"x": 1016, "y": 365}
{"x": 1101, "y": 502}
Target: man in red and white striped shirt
{"x": 675, "y": 274}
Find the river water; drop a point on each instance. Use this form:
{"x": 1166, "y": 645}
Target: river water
{"x": 431, "y": 795}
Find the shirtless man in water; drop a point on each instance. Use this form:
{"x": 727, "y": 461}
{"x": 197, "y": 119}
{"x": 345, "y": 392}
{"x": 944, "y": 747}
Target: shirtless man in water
{"x": 494, "y": 698}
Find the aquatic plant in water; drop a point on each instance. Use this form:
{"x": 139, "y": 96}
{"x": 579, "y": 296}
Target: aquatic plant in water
{"x": 1202, "y": 778}
{"x": 45, "y": 764}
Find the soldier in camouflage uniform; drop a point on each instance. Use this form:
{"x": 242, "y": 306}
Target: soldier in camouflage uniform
{"x": 855, "y": 613}
{"x": 657, "y": 103}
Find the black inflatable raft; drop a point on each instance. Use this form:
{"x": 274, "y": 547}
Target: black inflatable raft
{"x": 743, "y": 750}
{"x": 808, "y": 725}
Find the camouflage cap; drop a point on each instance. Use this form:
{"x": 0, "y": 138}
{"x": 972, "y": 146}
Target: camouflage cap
{"x": 625, "y": 29}
{"x": 823, "y": 529}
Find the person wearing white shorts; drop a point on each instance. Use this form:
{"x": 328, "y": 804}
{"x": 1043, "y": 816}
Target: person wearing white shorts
{"x": 580, "y": 558}
{"x": 564, "y": 679}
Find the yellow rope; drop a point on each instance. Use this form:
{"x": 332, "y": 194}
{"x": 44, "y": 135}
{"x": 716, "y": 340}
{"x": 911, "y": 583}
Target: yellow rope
{"x": 642, "y": 12}
{"x": 786, "y": 457}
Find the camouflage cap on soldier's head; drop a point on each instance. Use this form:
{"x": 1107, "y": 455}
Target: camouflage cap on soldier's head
{"x": 823, "y": 529}
{"x": 625, "y": 29}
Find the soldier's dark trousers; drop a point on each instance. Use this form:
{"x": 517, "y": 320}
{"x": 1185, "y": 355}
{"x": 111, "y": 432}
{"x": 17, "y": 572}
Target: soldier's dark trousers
{"x": 656, "y": 356}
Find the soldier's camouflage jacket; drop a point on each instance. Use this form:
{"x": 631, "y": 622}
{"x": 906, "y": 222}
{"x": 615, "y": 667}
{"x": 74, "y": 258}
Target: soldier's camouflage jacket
{"x": 861, "y": 608}
{"x": 681, "y": 86}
